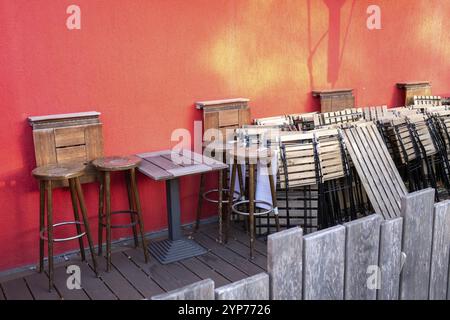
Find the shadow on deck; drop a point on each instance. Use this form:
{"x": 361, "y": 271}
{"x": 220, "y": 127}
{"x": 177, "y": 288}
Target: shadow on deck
{"x": 132, "y": 278}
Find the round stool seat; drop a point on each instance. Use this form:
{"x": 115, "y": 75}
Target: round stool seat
{"x": 253, "y": 153}
{"x": 59, "y": 171}
{"x": 116, "y": 163}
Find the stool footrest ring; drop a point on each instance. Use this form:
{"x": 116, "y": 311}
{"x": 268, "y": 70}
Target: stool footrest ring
{"x": 44, "y": 231}
{"x": 266, "y": 211}
{"x": 120, "y": 226}
{"x": 236, "y": 196}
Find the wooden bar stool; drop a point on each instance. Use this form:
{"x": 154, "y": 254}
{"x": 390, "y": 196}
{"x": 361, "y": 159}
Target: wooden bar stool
{"x": 105, "y": 166}
{"x": 222, "y": 192}
{"x": 47, "y": 176}
{"x": 251, "y": 156}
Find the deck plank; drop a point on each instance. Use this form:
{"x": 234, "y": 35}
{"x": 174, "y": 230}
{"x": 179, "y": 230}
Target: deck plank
{"x": 142, "y": 282}
{"x": 157, "y": 272}
{"x": 227, "y": 270}
{"x": 38, "y": 285}
{"x": 2, "y": 296}
{"x": 16, "y": 290}
{"x": 204, "y": 272}
{"x": 60, "y": 280}
{"x": 117, "y": 283}
{"x": 228, "y": 255}
{"x": 243, "y": 251}
{"x": 94, "y": 286}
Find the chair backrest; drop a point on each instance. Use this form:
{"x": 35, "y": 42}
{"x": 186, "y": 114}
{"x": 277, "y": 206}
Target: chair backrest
{"x": 427, "y": 100}
{"x": 297, "y": 161}
{"x": 330, "y": 154}
{"x": 66, "y": 138}
{"x": 422, "y": 130}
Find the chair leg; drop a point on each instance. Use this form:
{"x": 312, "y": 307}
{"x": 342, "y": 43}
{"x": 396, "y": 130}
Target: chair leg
{"x": 230, "y": 202}
{"x": 251, "y": 206}
{"x": 139, "y": 212}
{"x": 73, "y": 196}
{"x": 101, "y": 212}
{"x": 132, "y": 207}
{"x": 200, "y": 201}
{"x": 41, "y": 224}
{"x": 219, "y": 206}
{"x": 274, "y": 195}
{"x": 85, "y": 220}
{"x": 108, "y": 219}
{"x": 50, "y": 233}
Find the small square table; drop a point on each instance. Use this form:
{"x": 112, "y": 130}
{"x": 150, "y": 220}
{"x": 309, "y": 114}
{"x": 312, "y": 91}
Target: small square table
{"x": 169, "y": 166}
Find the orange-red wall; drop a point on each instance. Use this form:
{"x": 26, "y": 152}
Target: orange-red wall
{"x": 142, "y": 64}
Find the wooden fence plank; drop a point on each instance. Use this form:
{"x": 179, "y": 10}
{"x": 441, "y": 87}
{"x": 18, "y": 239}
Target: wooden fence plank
{"x": 361, "y": 251}
{"x": 284, "y": 264}
{"x": 201, "y": 290}
{"x": 390, "y": 258}
{"x": 253, "y": 288}
{"x": 417, "y": 212}
{"x": 323, "y": 264}
{"x": 440, "y": 251}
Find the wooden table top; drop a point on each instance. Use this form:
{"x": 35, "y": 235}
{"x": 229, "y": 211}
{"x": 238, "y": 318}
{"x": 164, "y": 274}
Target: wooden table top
{"x": 163, "y": 165}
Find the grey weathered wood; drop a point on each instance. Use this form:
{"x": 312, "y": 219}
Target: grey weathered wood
{"x": 284, "y": 264}
{"x": 158, "y": 165}
{"x": 361, "y": 251}
{"x": 440, "y": 251}
{"x": 201, "y": 290}
{"x": 390, "y": 258}
{"x": 417, "y": 212}
{"x": 323, "y": 264}
{"x": 252, "y": 288}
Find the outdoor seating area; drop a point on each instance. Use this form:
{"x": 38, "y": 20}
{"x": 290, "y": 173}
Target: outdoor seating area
{"x": 212, "y": 157}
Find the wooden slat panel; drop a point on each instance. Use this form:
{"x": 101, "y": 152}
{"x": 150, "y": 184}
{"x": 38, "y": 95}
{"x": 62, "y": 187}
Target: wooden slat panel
{"x": 417, "y": 212}
{"x": 229, "y": 118}
{"x": 71, "y": 154}
{"x": 323, "y": 264}
{"x": 44, "y": 147}
{"x": 201, "y": 290}
{"x": 244, "y": 117}
{"x": 252, "y": 288}
{"x": 362, "y": 246}
{"x": 440, "y": 255}
{"x": 153, "y": 171}
{"x": 163, "y": 163}
{"x": 284, "y": 264}
{"x": 390, "y": 258}
{"x": 94, "y": 141}
{"x": 70, "y": 136}
{"x": 210, "y": 120}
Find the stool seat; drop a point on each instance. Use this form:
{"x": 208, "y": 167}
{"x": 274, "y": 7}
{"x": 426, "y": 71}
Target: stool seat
{"x": 116, "y": 163}
{"x": 59, "y": 171}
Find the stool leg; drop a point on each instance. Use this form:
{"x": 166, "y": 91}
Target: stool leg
{"x": 108, "y": 219}
{"x": 139, "y": 212}
{"x": 48, "y": 188}
{"x": 132, "y": 208}
{"x": 241, "y": 181}
{"x": 101, "y": 212}
{"x": 73, "y": 196}
{"x": 200, "y": 201}
{"x": 274, "y": 195}
{"x": 230, "y": 202}
{"x": 219, "y": 205}
{"x": 41, "y": 224}
{"x": 251, "y": 206}
{"x": 86, "y": 221}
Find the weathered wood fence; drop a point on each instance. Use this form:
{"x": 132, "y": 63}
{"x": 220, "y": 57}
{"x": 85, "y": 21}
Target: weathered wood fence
{"x": 366, "y": 259}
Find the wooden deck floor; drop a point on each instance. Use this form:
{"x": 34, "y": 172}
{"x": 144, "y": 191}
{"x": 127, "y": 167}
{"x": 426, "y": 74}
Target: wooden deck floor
{"x": 131, "y": 278}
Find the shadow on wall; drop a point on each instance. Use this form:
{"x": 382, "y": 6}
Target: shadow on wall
{"x": 335, "y": 50}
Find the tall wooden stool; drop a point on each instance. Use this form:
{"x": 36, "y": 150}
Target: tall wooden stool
{"x": 250, "y": 156}
{"x": 47, "y": 177}
{"x": 222, "y": 193}
{"x": 105, "y": 166}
